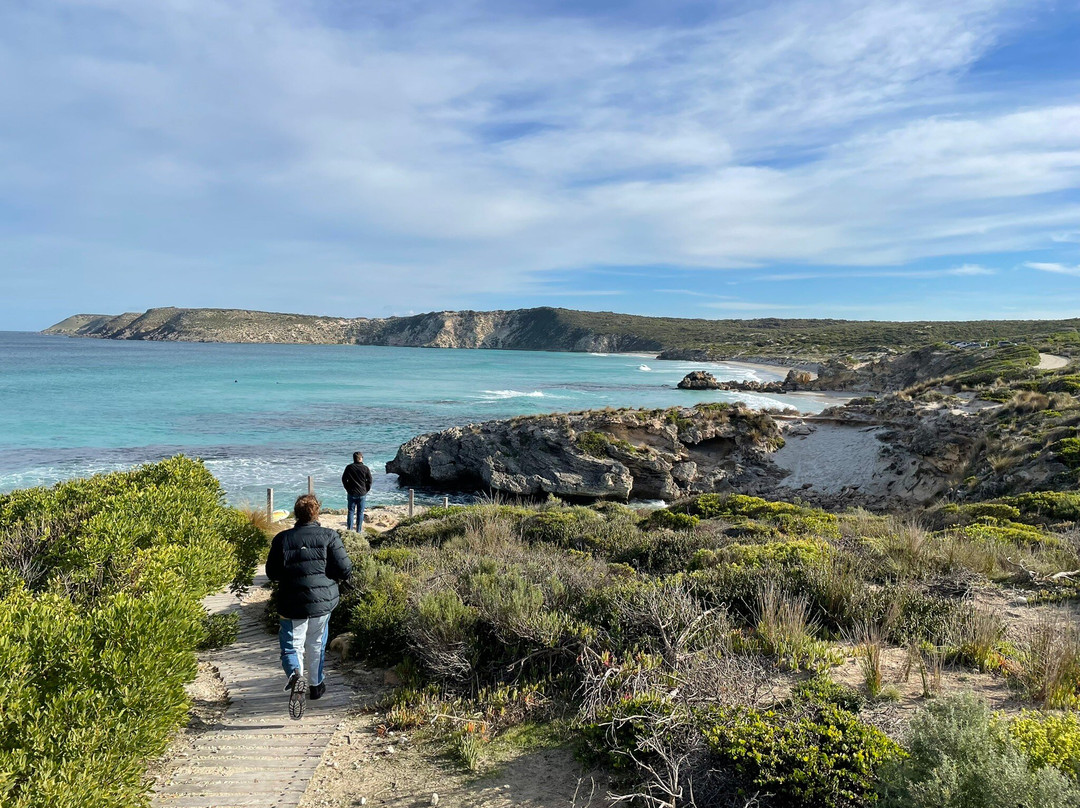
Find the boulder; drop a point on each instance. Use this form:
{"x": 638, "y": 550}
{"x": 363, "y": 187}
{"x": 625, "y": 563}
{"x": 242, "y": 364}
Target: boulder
{"x": 699, "y": 380}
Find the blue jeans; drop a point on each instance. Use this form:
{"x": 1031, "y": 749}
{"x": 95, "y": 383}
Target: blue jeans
{"x": 303, "y": 647}
{"x": 355, "y": 515}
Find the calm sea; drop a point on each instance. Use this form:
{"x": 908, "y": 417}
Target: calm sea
{"x": 270, "y": 415}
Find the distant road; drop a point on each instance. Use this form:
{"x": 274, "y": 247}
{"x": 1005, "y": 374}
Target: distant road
{"x": 1050, "y": 362}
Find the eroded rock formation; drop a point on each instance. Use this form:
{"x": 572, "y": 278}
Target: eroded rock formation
{"x": 616, "y": 454}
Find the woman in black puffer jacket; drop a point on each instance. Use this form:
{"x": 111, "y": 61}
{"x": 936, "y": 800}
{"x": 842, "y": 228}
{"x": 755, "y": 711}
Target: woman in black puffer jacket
{"x": 307, "y": 562}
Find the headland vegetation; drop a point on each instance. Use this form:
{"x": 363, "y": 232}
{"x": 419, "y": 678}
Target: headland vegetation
{"x": 554, "y": 329}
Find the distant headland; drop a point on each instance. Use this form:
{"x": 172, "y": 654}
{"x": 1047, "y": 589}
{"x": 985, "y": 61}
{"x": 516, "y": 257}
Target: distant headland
{"x": 555, "y": 329}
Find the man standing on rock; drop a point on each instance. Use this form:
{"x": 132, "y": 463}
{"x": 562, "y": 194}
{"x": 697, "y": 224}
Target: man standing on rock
{"x": 307, "y": 562}
{"x": 357, "y": 481}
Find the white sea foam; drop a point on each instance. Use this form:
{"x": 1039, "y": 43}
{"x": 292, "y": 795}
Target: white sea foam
{"x": 644, "y": 368}
{"x": 497, "y": 395}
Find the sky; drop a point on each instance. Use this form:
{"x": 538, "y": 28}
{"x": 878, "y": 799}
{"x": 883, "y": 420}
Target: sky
{"x": 861, "y": 160}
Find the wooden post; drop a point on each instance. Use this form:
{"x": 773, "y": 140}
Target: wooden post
{"x": 411, "y": 501}
{"x": 446, "y": 502}
{"x": 270, "y": 505}
{"x": 310, "y": 486}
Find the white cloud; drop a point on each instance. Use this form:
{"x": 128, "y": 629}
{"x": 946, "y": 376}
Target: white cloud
{"x": 1057, "y": 269}
{"x": 748, "y": 305}
{"x": 419, "y": 153}
{"x": 968, "y": 270}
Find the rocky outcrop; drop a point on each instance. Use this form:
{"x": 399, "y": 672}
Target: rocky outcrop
{"x": 617, "y": 454}
{"x": 699, "y": 380}
{"x": 882, "y": 454}
{"x": 703, "y": 380}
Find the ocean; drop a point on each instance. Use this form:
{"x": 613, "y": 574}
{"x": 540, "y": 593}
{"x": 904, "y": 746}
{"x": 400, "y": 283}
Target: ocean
{"x": 268, "y": 416}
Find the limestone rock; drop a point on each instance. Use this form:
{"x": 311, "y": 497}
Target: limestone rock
{"x": 699, "y": 380}
{"x": 610, "y": 454}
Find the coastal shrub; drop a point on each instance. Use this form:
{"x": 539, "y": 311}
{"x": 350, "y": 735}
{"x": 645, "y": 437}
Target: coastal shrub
{"x": 437, "y": 526}
{"x": 441, "y": 632}
{"x": 660, "y": 551}
{"x": 917, "y": 616}
{"x": 377, "y": 609}
{"x": 663, "y": 518}
{"x": 966, "y": 514}
{"x": 98, "y": 643}
{"x": 574, "y": 527}
{"x": 1062, "y": 384}
{"x": 1068, "y": 452}
{"x": 798, "y": 552}
{"x": 1012, "y": 534}
{"x": 219, "y": 630}
{"x": 597, "y": 444}
{"x": 821, "y": 689}
{"x": 793, "y": 520}
{"x": 959, "y": 756}
{"x": 818, "y": 755}
{"x": 1063, "y": 506}
{"x": 1049, "y": 739}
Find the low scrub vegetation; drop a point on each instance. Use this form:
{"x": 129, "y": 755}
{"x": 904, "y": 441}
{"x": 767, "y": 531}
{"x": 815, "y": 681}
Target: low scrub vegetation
{"x": 100, "y": 588}
{"x": 690, "y": 649}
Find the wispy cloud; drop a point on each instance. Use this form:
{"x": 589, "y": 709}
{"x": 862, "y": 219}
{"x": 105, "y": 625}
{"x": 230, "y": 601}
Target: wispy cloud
{"x": 748, "y": 305}
{"x": 409, "y": 155}
{"x": 965, "y": 270}
{"x": 1057, "y": 269}
{"x": 687, "y": 293}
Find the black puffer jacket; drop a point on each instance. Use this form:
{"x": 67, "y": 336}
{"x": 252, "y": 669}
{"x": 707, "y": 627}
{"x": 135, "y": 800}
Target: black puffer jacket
{"x": 307, "y": 562}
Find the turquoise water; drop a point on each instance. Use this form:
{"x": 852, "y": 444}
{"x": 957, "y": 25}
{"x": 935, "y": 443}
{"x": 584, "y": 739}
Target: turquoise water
{"x": 270, "y": 415}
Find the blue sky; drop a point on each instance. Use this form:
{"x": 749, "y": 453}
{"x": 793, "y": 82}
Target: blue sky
{"x": 893, "y": 160}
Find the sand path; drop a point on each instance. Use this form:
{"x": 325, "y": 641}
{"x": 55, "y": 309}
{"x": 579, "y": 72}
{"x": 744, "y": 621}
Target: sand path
{"x": 255, "y": 756}
{"x": 1051, "y": 362}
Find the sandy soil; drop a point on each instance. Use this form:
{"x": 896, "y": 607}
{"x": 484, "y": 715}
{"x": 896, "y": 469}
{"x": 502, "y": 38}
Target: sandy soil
{"x": 832, "y": 457}
{"x": 1051, "y": 362}
{"x": 378, "y": 518}
{"x": 366, "y": 765}
{"x": 893, "y": 716}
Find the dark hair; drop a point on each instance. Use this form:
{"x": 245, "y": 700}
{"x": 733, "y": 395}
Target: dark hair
{"x": 357, "y": 457}
{"x": 306, "y": 509}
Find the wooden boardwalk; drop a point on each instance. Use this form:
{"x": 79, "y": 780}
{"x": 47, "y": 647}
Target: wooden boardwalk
{"x": 256, "y": 757}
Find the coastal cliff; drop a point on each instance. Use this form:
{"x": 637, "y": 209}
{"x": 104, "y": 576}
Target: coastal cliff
{"x": 521, "y": 329}
{"x": 797, "y": 343}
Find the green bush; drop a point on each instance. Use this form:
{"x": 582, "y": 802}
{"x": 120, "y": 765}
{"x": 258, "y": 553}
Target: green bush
{"x": 1052, "y": 505}
{"x": 98, "y": 633}
{"x": 567, "y": 527}
{"x": 1068, "y": 452}
{"x": 958, "y": 756}
{"x": 793, "y": 520}
{"x": 1012, "y": 534}
{"x": 219, "y": 630}
{"x": 663, "y": 518}
{"x": 821, "y": 689}
{"x": 798, "y": 552}
{"x": 820, "y": 756}
{"x": 377, "y": 610}
{"x": 966, "y": 514}
{"x": 1049, "y": 739}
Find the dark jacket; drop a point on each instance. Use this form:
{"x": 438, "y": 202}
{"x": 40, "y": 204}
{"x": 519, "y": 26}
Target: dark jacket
{"x": 307, "y": 562}
{"x": 356, "y": 479}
